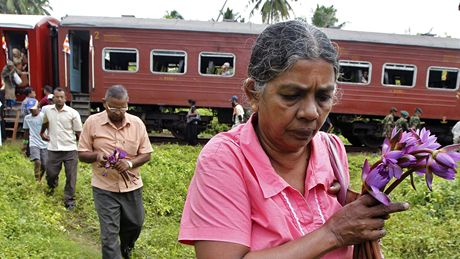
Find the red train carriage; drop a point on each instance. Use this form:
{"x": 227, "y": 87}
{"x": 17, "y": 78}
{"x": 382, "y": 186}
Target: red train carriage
{"x": 163, "y": 63}
{"x": 31, "y": 42}
{"x": 401, "y": 71}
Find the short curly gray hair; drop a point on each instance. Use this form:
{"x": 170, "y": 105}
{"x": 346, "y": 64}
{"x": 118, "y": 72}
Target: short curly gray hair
{"x": 282, "y": 44}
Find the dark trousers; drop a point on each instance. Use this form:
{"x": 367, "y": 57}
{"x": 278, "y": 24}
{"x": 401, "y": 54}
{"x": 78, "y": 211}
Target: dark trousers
{"x": 53, "y": 168}
{"x": 121, "y": 214}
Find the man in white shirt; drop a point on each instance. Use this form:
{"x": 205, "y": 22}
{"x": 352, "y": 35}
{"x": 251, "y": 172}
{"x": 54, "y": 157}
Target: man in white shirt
{"x": 456, "y": 133}
{"x": 238, "y": 112}
{"x": 64, "y": 127}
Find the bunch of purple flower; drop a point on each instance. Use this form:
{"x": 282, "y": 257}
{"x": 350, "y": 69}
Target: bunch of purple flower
{"x": 405, "y": 153}
{"x": 113, "y": 159}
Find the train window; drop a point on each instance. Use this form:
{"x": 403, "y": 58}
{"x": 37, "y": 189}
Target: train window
{"x": 217, "y": 64}
{"x": 168, "y": 61}
{"x": 442, "y": 78}
{"x": 399, "y": 74}
{"x": 354, "y": 72}
{"x": 120, "y": 60}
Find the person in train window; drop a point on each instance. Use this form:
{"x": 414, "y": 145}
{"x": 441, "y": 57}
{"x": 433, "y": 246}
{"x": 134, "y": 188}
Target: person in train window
{"x": 261, "y": 189}
{"x": 414, "y": 122}
{"x": 226, "y": 71}
{"x": 364, "y": 78}
{"x": 402, "y": 123}
{"x": 389, "y": 122}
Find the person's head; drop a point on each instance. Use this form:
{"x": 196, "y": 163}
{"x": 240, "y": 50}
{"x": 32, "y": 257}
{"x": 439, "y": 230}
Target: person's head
{"x": 234, "y": 100}
{"x": 191, "y": 102}
{"x": 404, "y": 114}
{"x": 418, "y": 111}
{"x": 47, "y": 90}
{"x": 16, "y": 52}
{"x": 10, "y": 65}
{"x": 225, "y": 67}
{"x": 393, "y": 110}
{"x": 59, "y": 97}
{"x": 116, "y": 103}
{"x": 291, "y": 84}
{"x": 32, "y": 106}
{"x": 29, "y": 92}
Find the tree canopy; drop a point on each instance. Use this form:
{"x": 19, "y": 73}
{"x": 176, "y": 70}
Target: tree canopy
{"x": 325, "y": 17}
{"x": 173, "y": 15}
{"x": 37, "y": 7}
{"x": 272, "y": 10}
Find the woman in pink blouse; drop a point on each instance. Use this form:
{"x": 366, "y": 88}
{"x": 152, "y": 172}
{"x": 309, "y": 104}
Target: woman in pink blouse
{"x": 261, "y": 189}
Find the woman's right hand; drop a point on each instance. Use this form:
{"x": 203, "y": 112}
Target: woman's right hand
{"x": 361, "y": 220}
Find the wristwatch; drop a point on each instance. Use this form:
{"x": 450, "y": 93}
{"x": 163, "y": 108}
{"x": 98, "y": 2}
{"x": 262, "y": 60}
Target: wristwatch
{"x": 130, "y": 164}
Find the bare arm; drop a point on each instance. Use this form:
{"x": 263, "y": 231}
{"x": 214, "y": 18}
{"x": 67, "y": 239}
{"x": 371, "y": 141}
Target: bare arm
{"x": 77, "y": 134}
{"x": 355, "y": 223}
{"x": 44, "y": 136}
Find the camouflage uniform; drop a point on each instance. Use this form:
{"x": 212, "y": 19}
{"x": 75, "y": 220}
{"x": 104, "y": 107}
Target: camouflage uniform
{"x": 414, "y": 122}
{"x": 401, "y": 123}
{"x": 388, "y": 125}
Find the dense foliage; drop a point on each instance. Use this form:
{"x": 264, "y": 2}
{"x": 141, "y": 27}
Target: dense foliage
{"x": 34, "y": 225}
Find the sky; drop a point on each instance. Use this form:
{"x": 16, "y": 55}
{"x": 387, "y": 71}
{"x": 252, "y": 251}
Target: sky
{"x": 441, "y": 17}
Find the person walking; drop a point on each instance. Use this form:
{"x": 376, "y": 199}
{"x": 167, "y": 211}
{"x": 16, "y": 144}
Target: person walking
{"x": 191, "y": 128}
{"x": 389, "y": 122}
{"x": 38, "y": 152}
{"x": 414, "y": 122}
{"x": 238, "y": 112}
{"x": 118, "y": 201}
{"x": 64, "y": 127}
{"x": 456, "y": 133}
{"x": 401, "y": 123}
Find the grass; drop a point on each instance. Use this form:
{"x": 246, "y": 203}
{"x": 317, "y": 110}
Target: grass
{"x": 34, "y": 225}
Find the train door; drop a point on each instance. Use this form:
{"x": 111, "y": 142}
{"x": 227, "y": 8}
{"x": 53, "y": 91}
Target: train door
{"x": 17, "y": 51}
{"x": 79, "y": 61}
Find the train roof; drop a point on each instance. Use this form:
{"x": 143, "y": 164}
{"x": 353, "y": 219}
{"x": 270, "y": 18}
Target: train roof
{"x": 251, "y": 28}
{"x": 22, "y": 21}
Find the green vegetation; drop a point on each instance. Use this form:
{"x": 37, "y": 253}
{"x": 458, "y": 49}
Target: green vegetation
{"x": 34, "y": 225}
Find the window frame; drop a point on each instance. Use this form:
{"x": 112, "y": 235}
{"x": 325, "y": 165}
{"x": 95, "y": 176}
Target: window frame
{"x": 166, "y": 73}
{"x": 216, "y": 54}
{"x": 369, "y": 74}
{"x": 120, "y": 71}
{"x": 440, "y": 68}
{"x": 414, "y": 77}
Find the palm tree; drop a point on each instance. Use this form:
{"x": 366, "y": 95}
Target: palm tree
{"x": 325, "y": 17}
{"x": 173, "y": 15}
{"x": 38, "y": 7}
{"x": 272, "y": 10}
{"x": 229, "y": 15}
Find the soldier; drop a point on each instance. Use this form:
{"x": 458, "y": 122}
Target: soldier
{"x": 389, "y": 122}
{"x": 401, "y": 123}
{"x": 414, "y": 122}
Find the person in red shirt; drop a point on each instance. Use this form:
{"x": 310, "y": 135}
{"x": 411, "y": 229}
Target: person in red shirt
{"x": 47, "y": 90}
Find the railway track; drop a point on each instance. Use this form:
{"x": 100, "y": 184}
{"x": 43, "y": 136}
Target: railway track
{"x": 202, "y": 141}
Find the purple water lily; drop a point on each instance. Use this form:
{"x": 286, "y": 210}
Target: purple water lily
{"x": 408, "y": 152}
